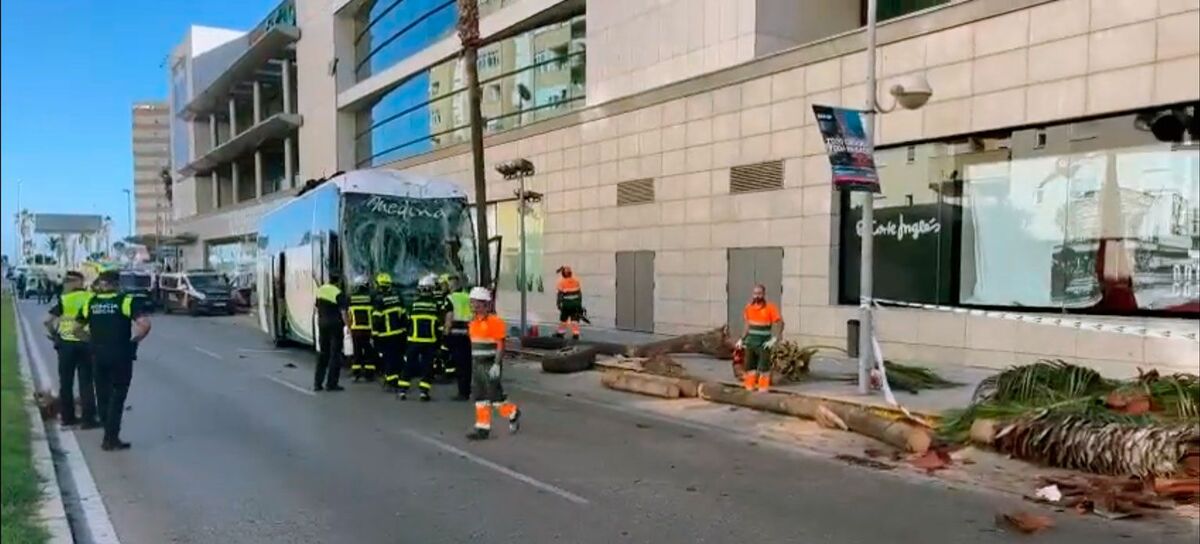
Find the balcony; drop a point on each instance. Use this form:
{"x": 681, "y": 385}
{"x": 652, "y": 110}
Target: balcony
{"x": 267, "y": 44}
{"x": 275, "y": 127}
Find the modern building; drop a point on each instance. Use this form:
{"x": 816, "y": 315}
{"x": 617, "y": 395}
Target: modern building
{"x": 151, "y": 158}
{"x": 1054, "y": 171}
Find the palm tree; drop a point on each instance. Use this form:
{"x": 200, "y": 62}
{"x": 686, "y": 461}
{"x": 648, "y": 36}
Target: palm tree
{"x": 468, "y": 33}
{"x": 55, "y": 245}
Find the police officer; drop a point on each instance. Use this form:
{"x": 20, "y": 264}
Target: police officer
{"x": 487, "y": 333}
{"x": 74, "y": 355}
{"x": 331, "y": 322}
{"x": 116, "y": 324}
{"x": 457, "y": 342}
{"x": 360, "y": 314}
{"x": 425, "y": 320}
{"x": 388, "y": 330}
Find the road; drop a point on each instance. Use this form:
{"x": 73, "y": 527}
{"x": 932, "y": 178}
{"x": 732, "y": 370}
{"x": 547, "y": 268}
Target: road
{"x": 229, "y": 446}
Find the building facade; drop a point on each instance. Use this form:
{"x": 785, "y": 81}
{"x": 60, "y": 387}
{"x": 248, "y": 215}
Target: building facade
{"x": 151, "y": 158}
{"x": 1055, "y": 170}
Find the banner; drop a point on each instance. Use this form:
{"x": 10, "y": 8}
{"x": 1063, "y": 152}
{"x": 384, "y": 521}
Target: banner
{"x": 845, "y": 135}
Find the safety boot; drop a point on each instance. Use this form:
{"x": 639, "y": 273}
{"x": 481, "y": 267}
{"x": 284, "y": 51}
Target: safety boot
{"x": 478, "y": 434}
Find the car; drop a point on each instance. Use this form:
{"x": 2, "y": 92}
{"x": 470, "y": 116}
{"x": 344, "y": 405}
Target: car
{"x": 140, "y": 284}
{"x": 196, "y": 292}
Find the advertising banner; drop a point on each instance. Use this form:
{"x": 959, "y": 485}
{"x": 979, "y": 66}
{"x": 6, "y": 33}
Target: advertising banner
{"x": 845, "y": 135}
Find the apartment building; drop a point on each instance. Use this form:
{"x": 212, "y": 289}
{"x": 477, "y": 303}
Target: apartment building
{"x": 1054, "y": 171}
{"x": 151, "y": 159}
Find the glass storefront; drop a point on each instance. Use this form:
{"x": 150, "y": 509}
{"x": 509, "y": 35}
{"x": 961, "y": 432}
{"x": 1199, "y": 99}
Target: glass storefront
{"x": 1095, "y": 216}
{"x": 526, "y": 78}
{"x": 232, "y": 257}
{"x": 504, "y": 219}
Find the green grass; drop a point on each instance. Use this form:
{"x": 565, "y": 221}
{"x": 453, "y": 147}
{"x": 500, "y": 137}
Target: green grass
{"x": 20, "y": 488}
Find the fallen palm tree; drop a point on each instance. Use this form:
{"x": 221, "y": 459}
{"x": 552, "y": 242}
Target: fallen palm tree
{"x": 1070, "y": 416}
{"x": 715, "y": 342}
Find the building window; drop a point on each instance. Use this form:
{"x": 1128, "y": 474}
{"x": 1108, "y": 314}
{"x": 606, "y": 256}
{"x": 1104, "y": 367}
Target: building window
{"x": 389, "y": 31}
{"x": 1038, "y": 220}
{"x": 488, "y": 60}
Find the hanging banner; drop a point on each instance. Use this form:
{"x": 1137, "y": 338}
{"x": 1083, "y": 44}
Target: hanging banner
{"x": 845, "y": 135}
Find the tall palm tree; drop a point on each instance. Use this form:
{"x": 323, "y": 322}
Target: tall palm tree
{"x": 468, "y": 33}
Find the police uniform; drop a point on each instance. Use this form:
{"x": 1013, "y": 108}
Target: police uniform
{"x": 361, "y": 328}
{"x": 330, "y": 303}
{"x": 109, "y": 318}
{"x": 388, "y": 331}
{"x": 458, "y": 342}
{"x": 74, "y": 356}
{"x": 425, "y": 320}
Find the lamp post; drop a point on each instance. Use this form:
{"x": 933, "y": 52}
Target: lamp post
{"x": 520, "y": 169}
{"x": 912, "y": 93}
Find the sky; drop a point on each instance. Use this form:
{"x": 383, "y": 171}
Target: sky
{"x": 72, "y": 70}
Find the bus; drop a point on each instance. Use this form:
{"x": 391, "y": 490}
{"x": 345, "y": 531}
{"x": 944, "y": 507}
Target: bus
{"x": 355, "y": 225}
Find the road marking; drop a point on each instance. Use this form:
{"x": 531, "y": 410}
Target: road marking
{"x": 208, "y": 353}
{"x": 291, "y": 385}
{"x": 98, "y": 523}
{"x": 498, "y": 468}
{"x": 254, "y": 350}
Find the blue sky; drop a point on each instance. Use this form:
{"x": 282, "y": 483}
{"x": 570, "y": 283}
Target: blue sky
{"x": 71, "y": 72}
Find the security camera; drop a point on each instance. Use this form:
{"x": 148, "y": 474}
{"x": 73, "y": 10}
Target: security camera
{"x": 912, "y": 92}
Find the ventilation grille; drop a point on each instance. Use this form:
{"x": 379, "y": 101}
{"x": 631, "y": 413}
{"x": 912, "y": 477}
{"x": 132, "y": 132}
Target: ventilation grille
{"x": 637, "y": 191}
{"x": 763, "y": 176}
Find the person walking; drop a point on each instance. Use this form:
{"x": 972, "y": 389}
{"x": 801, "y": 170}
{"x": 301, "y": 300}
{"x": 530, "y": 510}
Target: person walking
{"x": 764, "y": 325}
{"x": 388, "y": 328}
{"x": 116, "y": 324}
{"x": 74, "y": 355}
{"x": 487, "y": 333}
{"x": 425, "y": 319}
{"x": 362, "y": 364}
{"x": 331, "y": 322}
{"x": 458, "y": 342}
{"x": 569, "y": 302}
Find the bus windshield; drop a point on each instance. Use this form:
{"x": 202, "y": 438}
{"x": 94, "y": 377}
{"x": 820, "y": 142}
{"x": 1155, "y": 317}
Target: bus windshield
{"x": 407, "y": 237}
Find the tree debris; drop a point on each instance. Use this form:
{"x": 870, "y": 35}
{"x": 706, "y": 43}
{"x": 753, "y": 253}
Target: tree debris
{"x": 1024, "y": 522}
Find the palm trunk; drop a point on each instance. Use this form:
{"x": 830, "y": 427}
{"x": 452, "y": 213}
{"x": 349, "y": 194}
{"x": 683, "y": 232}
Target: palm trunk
{"x": 468, "y": 33}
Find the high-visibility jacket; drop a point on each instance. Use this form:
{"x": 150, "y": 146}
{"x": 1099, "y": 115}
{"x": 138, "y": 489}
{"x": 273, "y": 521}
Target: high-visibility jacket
{"x": 487, "y": 336}
{"x": 760, "y": 318}
{"x": 329, "y": 301}
{"x": 425, "y": 318}
{"x": 387, "y": 319}
{"x": 72, "y": 304}
{"x": 361, "y": 308}
{"x": 570, "y": 294}
{"x": 460, "y": 305}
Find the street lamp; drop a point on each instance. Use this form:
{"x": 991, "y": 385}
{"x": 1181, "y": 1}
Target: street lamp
{"x": 520, "y": 169}
{"x": 911, "y": 93}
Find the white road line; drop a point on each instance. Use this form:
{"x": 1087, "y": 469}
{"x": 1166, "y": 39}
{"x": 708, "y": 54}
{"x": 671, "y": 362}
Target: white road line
{"x": 290, "y": 385}
{"x": 498, "y": 468}
{"x": 98, "y": 523}
{"x": 208, "y": 353}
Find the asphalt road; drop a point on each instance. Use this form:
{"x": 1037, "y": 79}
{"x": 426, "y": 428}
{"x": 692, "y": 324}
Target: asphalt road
{"x": 229, "y": 446}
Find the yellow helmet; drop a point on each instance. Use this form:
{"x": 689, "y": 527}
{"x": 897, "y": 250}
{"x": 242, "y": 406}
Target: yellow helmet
{"x": 383, "y": 278}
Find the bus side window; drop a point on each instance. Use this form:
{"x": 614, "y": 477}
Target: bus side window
{"x": 333, "y": 255}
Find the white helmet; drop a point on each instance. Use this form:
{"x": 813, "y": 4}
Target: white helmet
{"x": 427, "y": 281}
{"x": 481, "y": 294}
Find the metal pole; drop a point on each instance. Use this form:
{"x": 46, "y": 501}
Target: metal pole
{"x": 521, "y": 278}
{"x": 866, "y": 278}
{"x": 17, "y": 232}
{"x": 129, "y": 209}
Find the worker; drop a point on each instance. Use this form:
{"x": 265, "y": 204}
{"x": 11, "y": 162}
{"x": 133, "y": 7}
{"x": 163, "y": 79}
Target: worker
{"x": 763, "y": 327}
{"x": 458, "y": 343}
{"x": 116, "y": 324}
{"x": 362, "y": 366}
{"x": 74, "y": 355}
{"x": 425, "y": 320}
{"x": 487, "y": 333}
{"x": 570, "y": 303}
{"x": 331, "y": 323}
{"x": 388, "y": 330}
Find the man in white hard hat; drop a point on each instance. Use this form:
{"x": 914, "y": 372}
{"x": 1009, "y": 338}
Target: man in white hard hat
{"x": 425, "y": 319}
{"x": 487, "y": 332}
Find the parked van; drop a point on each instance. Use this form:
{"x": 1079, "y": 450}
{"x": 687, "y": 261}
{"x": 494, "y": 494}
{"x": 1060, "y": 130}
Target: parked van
{"x": 196, "y": 292}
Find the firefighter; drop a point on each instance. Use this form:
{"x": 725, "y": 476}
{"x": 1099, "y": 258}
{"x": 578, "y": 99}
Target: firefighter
{"x": 487, "y": 333}
{"x": 388, "y": 330}
{"x": 331, "y": 325}
{"x": 74, "y": 356}
{"x": 115, "y": 325}
{"x": 360, "y": 312}
{"x": 570, "y": 303}
{"x": 457, "y": 343}
{"x": 764, "y": 325}
{"x": 425, "y": 320}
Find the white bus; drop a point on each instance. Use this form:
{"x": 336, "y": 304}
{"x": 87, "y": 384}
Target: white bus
{"x": 358, "y": 224}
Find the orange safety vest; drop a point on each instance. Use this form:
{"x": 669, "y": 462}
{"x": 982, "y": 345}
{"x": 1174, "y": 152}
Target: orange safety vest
{"x": 487, "y": 336}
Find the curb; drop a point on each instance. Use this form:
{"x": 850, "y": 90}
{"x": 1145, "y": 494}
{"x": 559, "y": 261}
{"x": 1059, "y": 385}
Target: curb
{"x": 882, "y": 411}
{"x": 53, "y": 512}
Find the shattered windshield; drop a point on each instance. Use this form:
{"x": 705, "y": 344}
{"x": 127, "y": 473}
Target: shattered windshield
{"x": 407, "y": 237}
